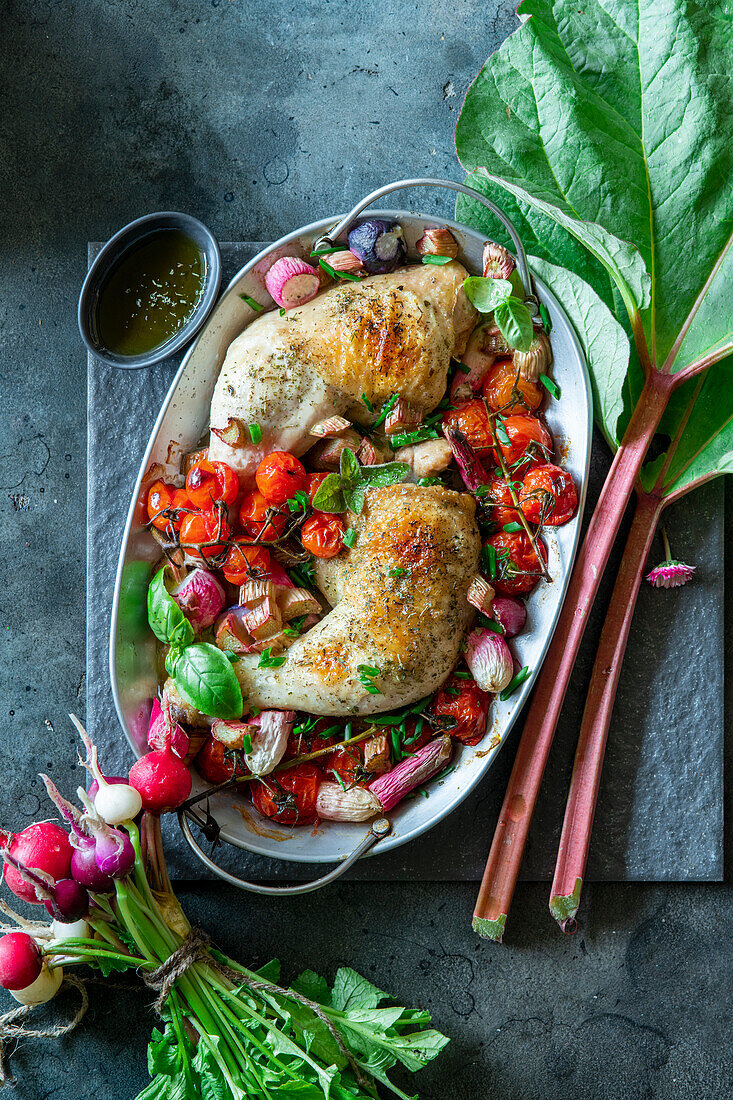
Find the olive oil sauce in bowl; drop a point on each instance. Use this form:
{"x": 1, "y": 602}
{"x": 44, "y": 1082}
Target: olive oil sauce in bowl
{"x": 149, "y": 290}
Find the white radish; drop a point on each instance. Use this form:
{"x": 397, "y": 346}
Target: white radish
{"x": 113, "y": 802}
{"x": 43, "y": 989}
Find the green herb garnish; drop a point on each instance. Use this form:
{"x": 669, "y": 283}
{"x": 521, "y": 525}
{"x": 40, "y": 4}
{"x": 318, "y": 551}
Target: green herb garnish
{"x": 367, "y": 673}
{"x": 251, "y": 303}
{"x": 367, "y": 402}
{"x": 255, "y": 433}
{"x": 429, "y": 481}
{"x": 501, "y": 432}
{"x": 299, "y": 502}
{"x": 328, "y": 251}
{"x": 247, "y": 744}
{"x": 514, "y": 683}
{"x": 387, "y": 407}
{"x": 396, "y": 572}
{"x": 339, "y": 274}
{"x": 545, "y": 317}
{"x": 488, "y": 557}
{"x": 420, "y": 435}
{"x": 350, "y": 537}
{"x": 551, "y": 386}
{"x": 513, "y": 526}
{"x": 348, "y": 488}
{"x": 438, "y": 260}
{"x": 268, "y": 661}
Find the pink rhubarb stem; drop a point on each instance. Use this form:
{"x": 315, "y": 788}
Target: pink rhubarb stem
{"x": 507, "y": 848}
{"x": 581, "y": 805}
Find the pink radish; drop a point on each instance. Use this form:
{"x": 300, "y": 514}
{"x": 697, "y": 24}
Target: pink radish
{"x": 511, "y": 613}
{"x": 20, "y": 960}
{"x": 162, "y": 731}
{"x": 44, "y": 847}
{"x": 85, "y": 870}
{"x": 162, "y": 780}
{"x": 291, "y": 282}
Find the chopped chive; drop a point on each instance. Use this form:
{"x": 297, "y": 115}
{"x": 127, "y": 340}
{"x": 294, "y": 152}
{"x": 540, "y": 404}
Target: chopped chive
{"x": 254, "y": 712}
{"x": 429, "y": 481}
{"x": 347, "y": 731}
{"x": 255, "y": 433}
{"x": 445, "y": 771}
{"x": 386, "y": 409}
{"x": 513, "y": 526}
{"x": 368, "y": 669}
{"x": 247, "y": 744}
{"x": 396, "y": 746}
{"x": 514, "y": 684}
{"x": 233, "y": 657}
{"x": 396, "y": 572}
{"x": 463, "y": 368}
{"x": 349, "y": 537}
{"x": 340, "y": 781}
{"x": 251, "y": 303}
{"x": 339, "y": 274}
{"x": 551, "y": 386}
{"x": 329, "y": 732}
{"x": 461, "y": 674}
{"x": 490, "y": 624}
{"x": 482, "y": 490}
{"x": 328, "y": 251}
{"x": 438, "y": 260}
{"x": 488, "y": 555}
{"x": 282, "y": 311}
{"x": 367, "y": 402}
{"x": 546, "y": 319}
{"x": 299, "y": 502}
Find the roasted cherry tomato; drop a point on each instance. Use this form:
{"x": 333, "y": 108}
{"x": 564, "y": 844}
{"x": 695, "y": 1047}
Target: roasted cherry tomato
{"x": 318, "y": 735}
{"x": 289, "y": 797}
{"x": 548, "y": 496}
{"x": 517, "y": 567}
{"x": 181, "y": 505}
{"x": 314, "y": 483}
{"x": 199, "y": 528}
{"x": 280, "y": 476}
{"x": 414, "y": 740}
{"x": 253, "y": 518}
{"x": 160, "y": 501}
{"x": 506, "y": 390}
{"x": 347, "y": 763}
{"x": 497, "y": 502}
{"x": 468, "y": 704}
{"x": 528, "y": 437}
{"x": 246, "y": 563}
{"x": 323, "y": 535}
{"x": 216, "y": 763}
{"x": 472, "y": 419}
{"x": 209, "y": 483}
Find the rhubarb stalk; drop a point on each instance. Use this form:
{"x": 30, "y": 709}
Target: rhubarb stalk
{"x": 507, "y": 848}
{"x": 580, "y": 809}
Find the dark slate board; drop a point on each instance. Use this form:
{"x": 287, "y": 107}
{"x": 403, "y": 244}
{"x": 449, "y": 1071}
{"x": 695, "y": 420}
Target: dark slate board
{"x": 660, "y": 813}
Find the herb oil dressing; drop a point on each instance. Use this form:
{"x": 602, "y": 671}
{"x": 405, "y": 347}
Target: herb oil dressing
{"x": 150, "y": 293}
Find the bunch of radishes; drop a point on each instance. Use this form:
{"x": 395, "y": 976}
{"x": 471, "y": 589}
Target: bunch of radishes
{"x": 45, "y": 864}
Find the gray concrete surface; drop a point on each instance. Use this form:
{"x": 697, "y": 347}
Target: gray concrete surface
{"x": 254, "y": 117}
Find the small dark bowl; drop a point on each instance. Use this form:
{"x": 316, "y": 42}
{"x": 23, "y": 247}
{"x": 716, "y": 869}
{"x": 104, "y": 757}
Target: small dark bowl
{"x": 114, "y": 249}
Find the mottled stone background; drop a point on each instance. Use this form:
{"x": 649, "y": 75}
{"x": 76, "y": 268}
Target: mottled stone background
{"x": 256, "y": 117}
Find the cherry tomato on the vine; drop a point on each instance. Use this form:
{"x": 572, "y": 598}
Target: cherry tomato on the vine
{"x": 181, "y": 505}
{"x": 208, "y": 483}
{"x": 497, "y": 502}
{"x": 468, "y": 704}
{"x": 253, "y": 518}
{"x": 160, "y": 501}
{"x": 216, "y": 763}
{"x": 517, "y": 567}
{"x": 280, "y": 476}
{"x": 505, "y": 389}
{"x": 246, "y": 563}
{"x": 290, "y": 796}
{"x": 198, "y": 528}
{"x": 472, "y": 420}
{"x": 410, "y": 742}
{"x": 524, "y": 432}
{"x": 308, "y": 740}
{"x": 347, "y": 763}
{"x": 323, "y": 535}
{"x": 548, "y": 495}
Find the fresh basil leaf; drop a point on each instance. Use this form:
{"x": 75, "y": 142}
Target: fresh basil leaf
{"x": 350, "y": 470}
{"x": 207, "y": 681}
{"x": 375, "y": 477}
{"x": 329, "y": 495}
{"x": 486, "y": 294}
{"x": 167, "y": 621}
{"x": 515, "y": 323}
{"x": 172, "y": 658}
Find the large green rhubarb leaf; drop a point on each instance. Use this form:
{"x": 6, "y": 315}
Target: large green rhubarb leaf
{"x": 619, "y": 114}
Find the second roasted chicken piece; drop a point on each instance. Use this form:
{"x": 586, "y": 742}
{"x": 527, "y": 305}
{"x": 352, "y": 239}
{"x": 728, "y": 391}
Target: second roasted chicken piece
{"x": 387, "y": 334}
{"x": 400, "y": 610}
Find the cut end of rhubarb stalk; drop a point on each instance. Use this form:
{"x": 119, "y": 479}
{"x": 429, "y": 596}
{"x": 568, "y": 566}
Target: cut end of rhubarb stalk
{"x": 564, "y": 907}
{"x": 490, "y": 929}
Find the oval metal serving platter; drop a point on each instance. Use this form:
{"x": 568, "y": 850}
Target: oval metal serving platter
{"x": 182, "y": 421}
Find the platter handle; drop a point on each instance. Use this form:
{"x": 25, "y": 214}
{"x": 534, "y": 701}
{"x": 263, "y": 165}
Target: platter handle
{"x": 380, "y": 828}
{"x": 328, "y": 239}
